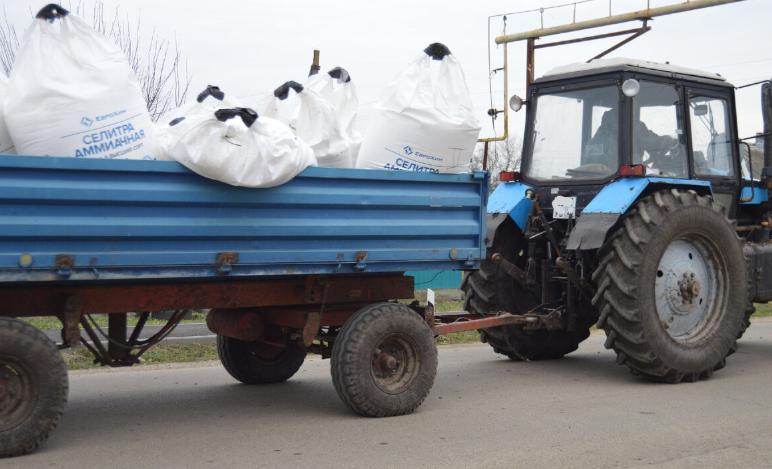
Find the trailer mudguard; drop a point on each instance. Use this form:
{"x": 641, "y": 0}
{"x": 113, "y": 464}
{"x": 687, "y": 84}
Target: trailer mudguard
{"x": 614, "y": 201}
{"x": 509, "y": 198}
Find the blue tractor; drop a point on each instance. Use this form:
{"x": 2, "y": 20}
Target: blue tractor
{"x": 635, "y": 208}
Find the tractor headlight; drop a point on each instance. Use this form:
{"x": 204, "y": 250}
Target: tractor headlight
{"x": 631, "y": 87}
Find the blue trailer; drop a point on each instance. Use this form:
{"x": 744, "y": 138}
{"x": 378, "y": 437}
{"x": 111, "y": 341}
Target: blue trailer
{"x": 309, "y": 266}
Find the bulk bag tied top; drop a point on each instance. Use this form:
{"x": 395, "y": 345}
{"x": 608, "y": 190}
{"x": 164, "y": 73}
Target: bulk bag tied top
{"x": 313, "y": 120}
{"x": 73, "y": 93}
{"x": 337, "y": 88}
{"x": 6, "y": 144}
{"x": 236, "y": 147}
{"x": 422, "y": 122}
{"x": 207, "y": 102}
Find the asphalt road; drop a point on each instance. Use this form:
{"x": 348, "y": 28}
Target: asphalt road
{"x": 484, "y": 411}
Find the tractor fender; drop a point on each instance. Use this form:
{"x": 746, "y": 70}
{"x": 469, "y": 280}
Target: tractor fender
{"x": 508, "y": 199}
{"x": 600, "y": 215}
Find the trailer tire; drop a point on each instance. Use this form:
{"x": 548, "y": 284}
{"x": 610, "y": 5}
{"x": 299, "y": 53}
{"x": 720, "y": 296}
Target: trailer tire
{"x": 363, "y": 376}
{"x": 252, "y": 363}
{"x": 491, "y": 289}
{"x": 672, "y": 288}
{"x": 33, "y": 387}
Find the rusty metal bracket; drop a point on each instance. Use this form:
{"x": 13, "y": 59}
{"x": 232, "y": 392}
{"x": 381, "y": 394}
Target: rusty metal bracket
{"x": 71, "y": 315}
{"x": 316, "y": 288}
{"x": 587, "y": 290}
{"x": 361, "y": 259}
{"x": 555, "y": 319}
{"x": 65, "y": 263}
{"x": 313, "y": 321}
{"x": 510, "y": 268}
{"x": 461, "y": 325}
{"x": 224, "y": 261}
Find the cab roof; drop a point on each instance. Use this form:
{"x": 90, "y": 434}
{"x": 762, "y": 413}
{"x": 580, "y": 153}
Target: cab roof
{"x": 625, "y": 64}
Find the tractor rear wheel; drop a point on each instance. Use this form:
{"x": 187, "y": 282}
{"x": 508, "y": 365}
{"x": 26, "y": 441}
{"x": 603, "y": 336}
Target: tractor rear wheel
{"x": 672, "y": 288}
{"x": 491, "y": 289}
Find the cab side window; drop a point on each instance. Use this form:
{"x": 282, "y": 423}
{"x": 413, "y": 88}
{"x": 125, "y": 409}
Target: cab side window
{"x": 710, "y": 136}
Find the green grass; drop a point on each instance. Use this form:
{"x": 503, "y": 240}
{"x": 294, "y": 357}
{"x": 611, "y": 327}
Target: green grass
{"x": 763, "y": 309}
{"x": 46, "y": 323}
{"x": 81, "y": 358}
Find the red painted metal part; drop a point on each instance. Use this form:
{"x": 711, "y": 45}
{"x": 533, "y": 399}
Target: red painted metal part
{"x": 296, "y": 318}
{"x": 464, "y": 323}
{"x": 246, "y": 325}
{"x": 313, "y": 321}
{"x": 45, "y": 301}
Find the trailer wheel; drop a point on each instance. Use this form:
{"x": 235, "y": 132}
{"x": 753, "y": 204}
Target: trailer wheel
{"x": 672, "y": 288}
{"x": 384, "y": 360}
{"x": 492, "y": 289}
{"x": 257, "y": 363}
{"x": 33, "y": 387}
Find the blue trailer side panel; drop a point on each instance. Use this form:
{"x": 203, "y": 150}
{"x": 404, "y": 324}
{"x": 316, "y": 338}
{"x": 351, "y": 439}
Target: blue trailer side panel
{"x": 123, "y": 219}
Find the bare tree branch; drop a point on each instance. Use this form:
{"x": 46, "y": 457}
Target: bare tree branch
{"x": 162, "y": 73}
{"x": 9, "y": 44}
{"x": 502, "y": 156}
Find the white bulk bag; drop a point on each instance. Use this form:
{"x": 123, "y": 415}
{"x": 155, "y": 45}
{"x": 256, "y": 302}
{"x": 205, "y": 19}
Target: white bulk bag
{"x": 337, "y": 88}
{"x": 6, "y": 144}
{"x": 73, "y": 93}
{"x": 422, "y": 123}
{"x": 250, "y": 151}
{"x": 313, "y": 120}
{"x": 207, "y": 102}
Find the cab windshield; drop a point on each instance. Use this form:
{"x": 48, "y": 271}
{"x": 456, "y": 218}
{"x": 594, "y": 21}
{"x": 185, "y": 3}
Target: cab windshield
{"x": 575, "y": 135}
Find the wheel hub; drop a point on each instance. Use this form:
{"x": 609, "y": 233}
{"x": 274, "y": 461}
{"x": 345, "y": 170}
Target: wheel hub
{"x": 385, "y": 363}
{"x": 690, "y": 288}
{"x": 395, "y": 364}
{"x": 684, "y": 287}
{"x": 14, "y": 408}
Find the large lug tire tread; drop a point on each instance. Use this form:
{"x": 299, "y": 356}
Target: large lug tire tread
{"x": 749, "y": 306}
{"x": 240, "y": 362}
{"x": 24, "y": 345}
{"x": 491, "y": 289}
{"x": 629, "y": 315}
{"x": 352, "y": 352}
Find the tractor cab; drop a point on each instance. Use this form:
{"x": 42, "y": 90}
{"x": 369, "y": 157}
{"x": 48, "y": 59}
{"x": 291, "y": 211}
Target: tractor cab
{"x": 590, "y": 124}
